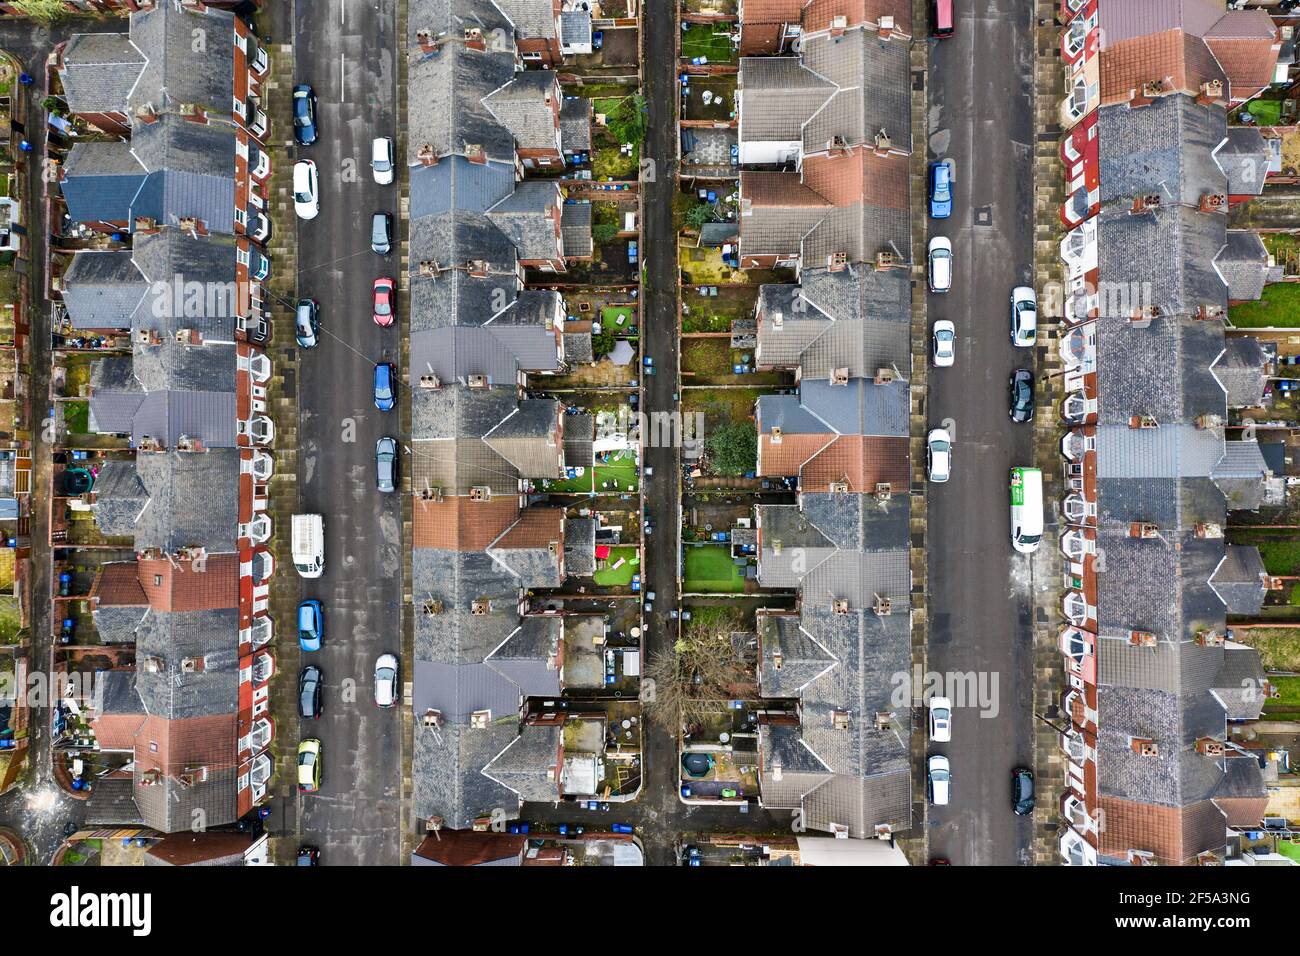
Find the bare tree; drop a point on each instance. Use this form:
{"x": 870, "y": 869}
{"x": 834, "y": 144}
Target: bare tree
{"x": 703, "y": 667}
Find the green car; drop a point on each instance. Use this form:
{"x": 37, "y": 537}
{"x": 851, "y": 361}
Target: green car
{"x": 309, "y": 765}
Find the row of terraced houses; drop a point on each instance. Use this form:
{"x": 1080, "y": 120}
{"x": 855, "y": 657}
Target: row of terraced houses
{"x": 1153, "y": 467}
{"x": 825, "y": 147}
{"x": 159, "y": 523}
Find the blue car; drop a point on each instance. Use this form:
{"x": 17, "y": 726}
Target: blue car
{"x": 304, "y": 115}
{"x": 940, "y": 191}
{"x": 311, "y": 625}
{"x": 384, "y": 375}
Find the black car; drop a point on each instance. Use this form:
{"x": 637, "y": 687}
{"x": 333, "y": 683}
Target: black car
{"x": 1022, "y": 791}
{"x": 1022, "y": 395}
{"x": 304, "y": 114}
{"x": 309, "y": 692}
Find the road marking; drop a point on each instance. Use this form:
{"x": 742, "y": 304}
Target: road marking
{"x": 343, "y": 6}
{"x": 343, "y": 87}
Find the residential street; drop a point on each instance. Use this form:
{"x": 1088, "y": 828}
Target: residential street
{"x": 981, "y": 117}
{"x": 346, "y": 50}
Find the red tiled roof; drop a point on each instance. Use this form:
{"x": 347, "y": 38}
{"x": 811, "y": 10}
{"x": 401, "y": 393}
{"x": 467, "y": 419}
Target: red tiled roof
{"x": 469, "y": 847}
{"x": 459, "y": 524}
{"x": 817, "y": 16}
{"x": 118, "y": 585}
{"x": 1175, "y": 836}
{"x": 185, "y": 586}
{"x": 786, "y": 457}
{"x": 1173, "y": 56}
{"x": 862, "y": 461}
{"x": 1248, "y": 63}
{"x": 778, "y": 190}
{"x": 536, "y": 528}
{"x": 860, "y": 177}
{"x": 187, "y": 849}
{"x": 117, "y": 731}
{"x": 171, "y": 746}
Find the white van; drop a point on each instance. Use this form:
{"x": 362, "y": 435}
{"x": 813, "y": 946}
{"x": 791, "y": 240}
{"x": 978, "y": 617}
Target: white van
{"x": 1026, "y": 509}
{"x": 309, "y": 545}
{"x": 381, "y": 160}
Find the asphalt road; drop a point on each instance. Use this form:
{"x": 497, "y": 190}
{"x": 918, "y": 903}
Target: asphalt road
{"x": 981, "y": 117}
{"x": 346, "y": 50}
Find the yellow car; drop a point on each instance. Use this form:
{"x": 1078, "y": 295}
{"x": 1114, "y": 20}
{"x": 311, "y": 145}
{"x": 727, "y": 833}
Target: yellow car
{"x": 309, "y": 765}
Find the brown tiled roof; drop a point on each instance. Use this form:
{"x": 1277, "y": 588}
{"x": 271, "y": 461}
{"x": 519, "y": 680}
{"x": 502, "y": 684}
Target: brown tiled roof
{"x": 817, "y": 15}
{"x": 172, "y": 746}
{"x": 780, "y": 190}
{"x": 862, "y": 176}
{"x": 1243, "y": 811}
{"x": 459, "y": 524}
{"x": 786, "y": 457}
{"x": 1248, "y": 63}
{"x": 536, "y": 528}
{"x": 118, "y": 585}
{"x": 1176, "y": 836}
{"x": 179, "y": 586}
{"x": 862, "y": 461}
{"x": 117, "y": 731}
{"x": 1175, "y": 56}
{"x": 188, "y": 849}
{"x": 469, "y": 847}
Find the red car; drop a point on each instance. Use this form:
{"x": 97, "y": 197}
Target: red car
{"x": 385, "y": 308}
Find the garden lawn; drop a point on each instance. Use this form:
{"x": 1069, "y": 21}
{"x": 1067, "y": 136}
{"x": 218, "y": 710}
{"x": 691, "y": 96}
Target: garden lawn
{"x": 709, "y": 568}
{"x": 701, "y": 40}
{"x": 76, "y": 415}
{"x": 622, "y": 468}
{"x": 1280, "y": 557}
{"x": 1288, "y": 689}
{"x": 1279, "y": 647}
{"x": 609, "y": 576}
{"x": 1266, "y": 112}
{"x": 609, "y": 315}
{"x": 1289, "y": 848}
{"x": 1278, "y": 307}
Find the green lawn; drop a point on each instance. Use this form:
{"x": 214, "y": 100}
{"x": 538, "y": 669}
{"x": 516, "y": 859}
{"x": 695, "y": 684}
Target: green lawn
{"x": 1288, "y": 689}
{"x": 77, "y": 417}
{"x": 1278, "y": 307}
{"x": 1266, "y": 112}
{"x": 709, "y": 568}
{"x": 609, "y": 576}
{"x": 621, "y": 468}
{"x": 700, "y": 39}
{"x": 1289, "y": 848}
{"x": 1280, "y": 557}
{"x": 609, "y": 315}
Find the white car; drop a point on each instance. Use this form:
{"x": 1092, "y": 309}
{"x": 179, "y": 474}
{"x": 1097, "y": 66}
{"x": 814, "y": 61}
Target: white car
{"x": 938, "y": 780}
{"x": 306, "y": 194}
{"x": 1024, "y": 316}
{"x": 940, "y": 719}
{"x": 381, "y": 160}
{"x": 945, "y": 343}
{"x": 386, "y": 671}
{"x": 940, "y": 264}
{"x": 938, "y": 454}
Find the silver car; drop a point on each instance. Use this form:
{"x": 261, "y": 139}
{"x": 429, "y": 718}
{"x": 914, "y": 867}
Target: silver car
{"x": 386, "y": 677}
{"x": 386, "y": 464}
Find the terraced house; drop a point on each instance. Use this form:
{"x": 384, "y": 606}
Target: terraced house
{"x": 1155, "y": 684}
{"x": 165, "y": 488}
{"x": 490, "y": 662}
{"x": 825, "y": 139}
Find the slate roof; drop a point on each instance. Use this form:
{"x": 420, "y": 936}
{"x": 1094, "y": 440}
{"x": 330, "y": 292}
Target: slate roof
{"x": 527, "y": 107}
{"x": 1165, "y": 148}
{"x": 1244, "y": 158}
{"x": 171, "y": 500}
{"x": 1243, "y": 264}
{"x": 1243, "y": 370}
{"x": 101, "y": 290}
{"x": 575, "y": 124}
{"x": 99, "y": 70}
{"x": 177, "y": 73}
{"x": 1240, "y": 580}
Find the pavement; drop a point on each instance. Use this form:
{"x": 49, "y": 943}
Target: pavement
{"x": 346, "y": 50}
{"x": 980, "y": 601}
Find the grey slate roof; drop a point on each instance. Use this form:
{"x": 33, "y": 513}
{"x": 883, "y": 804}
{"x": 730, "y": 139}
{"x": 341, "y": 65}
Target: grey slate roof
{"x": 101, "y": 290}
{"x": 1244, "y": 159}
{"x": 171, "y": 500}
{"x": 1166, "y": 148}
{"x": 1239, "y": 580}
{"x": 99, "y": 71}
{"x": 177, "y": 71}
{"x": 580, "y": 546}
{"x": 1243, "y": 370}
{"x": 532, "y": 19}
{"x": 167, "y": 639}
{"x": 525, "y": 217}
{"x": 528, "y": 438}
{"x": 527, "y": 107}
{"x": 529, "y": 765}
{"x": 575, "y": 230}
{"x": 575, "y": 124}
{"x": 575, "y": 27}
{"x": 777, "y": 96}
{"x": 1243, "y": 264}
{"x": 1169, "y": 251}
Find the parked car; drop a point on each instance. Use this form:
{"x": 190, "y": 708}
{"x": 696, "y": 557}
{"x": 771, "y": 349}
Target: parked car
{"x": 381, "y": 233}
{"x": 1024, "y": 316}
{"x": 940, "y": 264}
{"x": 386, "y": 464}
{"x": 940, "y": 190}
{"x": 945, "y": 343}
{"x": 940, "y": 719}
{"x": 386, "y": 680}
{"x": 309, "y": 765}
{"x": 1021, "y": 402}
{"x": 308, "y": 856}
{"x": 306, "y": 193}
{"x": 385, "y": 375}
{"x": 311, "y": 625}
{"x": 938, "y": 780}
{"x": 306, "y": 323}
{"x": 938, "y": 455}
{"x": 309, "y": 692}
{"x": 1022, "y": 791}
{"x": 304, "y": 114}
{"x": 943, "y": 21}
{"x": 383, "y": 303}
{"x": 381, "y": 160}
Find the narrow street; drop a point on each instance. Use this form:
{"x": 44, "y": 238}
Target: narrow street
{"x": 981, "y": 118}
{"x": 347, "y": 51}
